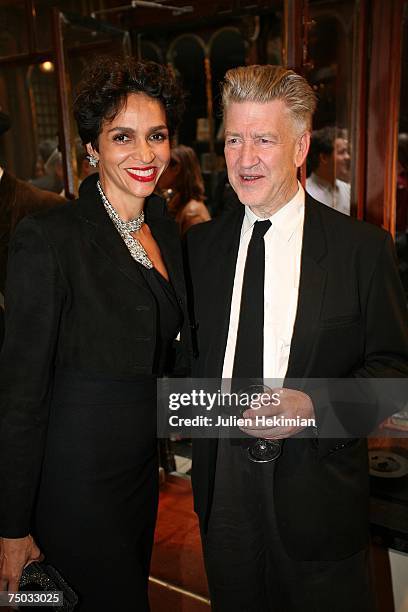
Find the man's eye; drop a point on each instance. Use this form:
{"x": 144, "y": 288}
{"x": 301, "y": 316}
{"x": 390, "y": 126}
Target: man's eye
{"x": 121, "y": 138}
{"x": 232, "y": 141}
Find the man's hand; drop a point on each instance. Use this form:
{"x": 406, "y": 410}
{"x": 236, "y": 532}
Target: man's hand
{"x": 292, "y": 405}
{"x": 15, "y": 554}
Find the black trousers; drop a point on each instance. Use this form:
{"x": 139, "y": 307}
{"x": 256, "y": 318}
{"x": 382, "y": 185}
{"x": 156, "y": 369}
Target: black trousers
{"x": 249, "y": 569}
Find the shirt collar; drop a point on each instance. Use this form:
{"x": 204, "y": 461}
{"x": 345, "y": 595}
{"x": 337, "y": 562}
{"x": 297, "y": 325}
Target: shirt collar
{"x": 285, "y": 221}
{"x": 324, "y": 184}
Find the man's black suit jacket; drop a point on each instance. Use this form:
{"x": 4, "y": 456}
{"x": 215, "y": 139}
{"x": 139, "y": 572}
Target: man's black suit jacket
{"x": 18, "y": 199}
{"x": 76, "y": 300}
{"x": 350, "y": 321}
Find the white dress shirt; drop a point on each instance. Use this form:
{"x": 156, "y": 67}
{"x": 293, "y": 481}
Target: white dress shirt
{"x": 336, "y": 196}
{"x": 283, "y": 245}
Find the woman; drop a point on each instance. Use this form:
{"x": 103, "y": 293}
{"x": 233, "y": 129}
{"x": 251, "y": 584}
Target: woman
{"x": 94, "y": 299}
{"x": 183, "y": 184}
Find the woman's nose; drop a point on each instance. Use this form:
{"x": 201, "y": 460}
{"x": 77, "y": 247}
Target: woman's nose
{"x": 143, "y": 152}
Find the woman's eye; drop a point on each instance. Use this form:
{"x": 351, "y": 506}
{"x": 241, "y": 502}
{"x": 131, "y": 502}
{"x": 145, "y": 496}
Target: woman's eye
{"x": 121, "y": 138}
{"x": 158, "y": 137}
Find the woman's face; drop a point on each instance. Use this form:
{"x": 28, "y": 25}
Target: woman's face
{"x": 134, "y": 151}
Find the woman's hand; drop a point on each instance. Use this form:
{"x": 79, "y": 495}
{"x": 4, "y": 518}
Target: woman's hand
{"x": 15, "y": 554}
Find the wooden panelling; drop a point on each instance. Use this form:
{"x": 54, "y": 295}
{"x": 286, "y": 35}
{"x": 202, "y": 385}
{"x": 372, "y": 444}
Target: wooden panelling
{"x": 383, "y": 111}
{"x": 294, "y": 32}
{"x": 359, "y": 112}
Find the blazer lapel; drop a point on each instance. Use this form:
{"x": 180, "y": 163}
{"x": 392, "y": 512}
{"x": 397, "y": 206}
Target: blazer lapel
{"x": 313, "y": 275}
{"x": 166, "y": 233}
{"x": 104, "y": 234}
{"x": 220, "y": 280}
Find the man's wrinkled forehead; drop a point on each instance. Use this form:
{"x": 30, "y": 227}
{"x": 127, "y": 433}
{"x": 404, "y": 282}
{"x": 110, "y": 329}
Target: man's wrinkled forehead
{"x": 251, "y": 110}
{"x": 257, "y": 118}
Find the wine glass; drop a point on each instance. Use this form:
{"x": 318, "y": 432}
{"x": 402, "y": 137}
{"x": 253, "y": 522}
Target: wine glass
{"x": 260, "y": 450}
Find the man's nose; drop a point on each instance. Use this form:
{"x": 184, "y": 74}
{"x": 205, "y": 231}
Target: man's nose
{"x": 249, "y": 155}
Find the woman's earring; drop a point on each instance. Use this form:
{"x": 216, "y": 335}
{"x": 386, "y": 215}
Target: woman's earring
{"x": 93, "y": 161}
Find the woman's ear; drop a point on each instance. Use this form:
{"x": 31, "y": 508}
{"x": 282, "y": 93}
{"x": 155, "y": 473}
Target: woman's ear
{"x": 91, "y": 151}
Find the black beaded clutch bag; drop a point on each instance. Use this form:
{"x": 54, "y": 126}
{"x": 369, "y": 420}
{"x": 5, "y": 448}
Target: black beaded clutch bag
{"x": 45, "y": 579}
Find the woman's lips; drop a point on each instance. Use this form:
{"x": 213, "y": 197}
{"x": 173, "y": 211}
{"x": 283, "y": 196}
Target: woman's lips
{"x": 143, "y": 175}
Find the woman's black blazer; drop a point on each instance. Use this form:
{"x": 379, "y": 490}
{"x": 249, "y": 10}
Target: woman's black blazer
{"x": 74, "y": 299}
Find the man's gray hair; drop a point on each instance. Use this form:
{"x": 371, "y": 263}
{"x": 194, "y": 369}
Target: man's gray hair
{"x": 266, "y": 83}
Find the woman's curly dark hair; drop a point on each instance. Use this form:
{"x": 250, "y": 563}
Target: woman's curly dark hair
{"x": 107, "y": 82}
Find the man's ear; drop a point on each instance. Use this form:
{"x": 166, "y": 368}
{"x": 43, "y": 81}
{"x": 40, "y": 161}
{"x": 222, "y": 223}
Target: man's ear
{"x": 91, "y": 151}
{"x": 302, "y": 148}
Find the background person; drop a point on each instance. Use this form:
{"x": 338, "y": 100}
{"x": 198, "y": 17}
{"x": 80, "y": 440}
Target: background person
{"x": 53, "y": 176}
{"x": 328, "y": 164}
{"x": 45, "y": 149}
{"x": 102, "y": 284}
{"x": 184, "y": 185}
{"x": 17, "y": 199}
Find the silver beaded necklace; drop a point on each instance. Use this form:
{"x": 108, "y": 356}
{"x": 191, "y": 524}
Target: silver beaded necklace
{"x": 125, "y": 228}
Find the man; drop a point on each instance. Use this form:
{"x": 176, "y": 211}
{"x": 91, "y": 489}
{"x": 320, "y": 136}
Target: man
{"x": 53, "y": 177}
{"x": 285, "y": 287}
{"x": 17, "y": 199}
{"x": 329, "y": 164}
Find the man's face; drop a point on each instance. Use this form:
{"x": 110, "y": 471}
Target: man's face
{"x": 263, "y": 152}
{"x": 342, "y": 159}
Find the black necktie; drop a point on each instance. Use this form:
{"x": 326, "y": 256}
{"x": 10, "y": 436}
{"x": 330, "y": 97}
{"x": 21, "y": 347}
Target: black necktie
{"x": 248, "y": 361}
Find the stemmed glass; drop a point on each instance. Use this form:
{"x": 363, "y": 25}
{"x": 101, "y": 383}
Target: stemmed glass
{"x": 260, "y": 450}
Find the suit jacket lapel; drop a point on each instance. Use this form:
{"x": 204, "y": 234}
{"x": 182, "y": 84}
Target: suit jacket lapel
{"x": 221, "y": 273}
{"x": 104, "y": 234}
{"x": 313, "y": 276}
{"x": 166, "y": 234}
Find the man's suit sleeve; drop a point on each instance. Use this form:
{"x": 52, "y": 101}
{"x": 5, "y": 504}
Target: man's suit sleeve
{"x": 357, "y": 405}
{"x": 34, "y": 297}
{"x": 386, "y": 333}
